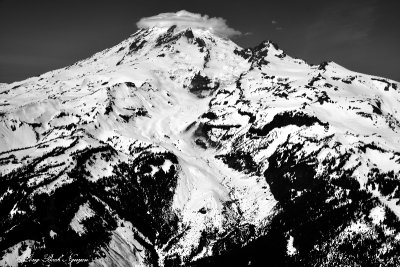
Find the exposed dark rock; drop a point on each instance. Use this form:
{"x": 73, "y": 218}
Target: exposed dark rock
{"x": 188, "y": 34}
{"x": 315, "y": 79}
{"x": 348, "y": 80}
{"x": 323, "y": 98}
{"x": 377, "y": 108}
{"x": 284, "y": 119}
{"x": 136, "y": 45}
{"x": 210, "y": 115}
{"x": 244, "y": 53}
{"x": 388, "y": 84}
{"x": 323, "y": 65}
{"x": 240, "y": 161}
{"x": 252, "y": 117}
{"x": 168, "y": 37}
{"x": 130, "y": 84}
{"x": 200, "y": 42}
{"x": 202, "y": 86}
{"x": 201, "y": 143}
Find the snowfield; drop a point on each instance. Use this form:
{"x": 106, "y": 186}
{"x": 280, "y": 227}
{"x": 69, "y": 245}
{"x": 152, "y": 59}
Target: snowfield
{"x": 178, "y": 147}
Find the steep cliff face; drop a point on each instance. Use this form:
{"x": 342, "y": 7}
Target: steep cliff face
{"x": 176, "y": 147}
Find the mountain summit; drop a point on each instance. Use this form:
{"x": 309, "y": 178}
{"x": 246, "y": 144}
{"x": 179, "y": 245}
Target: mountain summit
{"x": 178, "y": 147}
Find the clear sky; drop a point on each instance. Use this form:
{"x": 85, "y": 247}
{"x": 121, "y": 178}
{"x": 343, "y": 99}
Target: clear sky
{"x": 42, "y": 35}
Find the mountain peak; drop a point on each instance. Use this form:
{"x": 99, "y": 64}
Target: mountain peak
{"x": 178, "y": 147}
{"x": 185, "y": 19}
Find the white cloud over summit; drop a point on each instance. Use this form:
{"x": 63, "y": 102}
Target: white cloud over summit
{"x": 185, "y": 19}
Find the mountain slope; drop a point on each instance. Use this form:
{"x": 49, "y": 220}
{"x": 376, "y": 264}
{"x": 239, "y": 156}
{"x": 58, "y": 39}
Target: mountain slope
{"x": 177, "y": 147}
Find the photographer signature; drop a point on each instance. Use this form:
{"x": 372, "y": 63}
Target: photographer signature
{"x": 70, "y": 260}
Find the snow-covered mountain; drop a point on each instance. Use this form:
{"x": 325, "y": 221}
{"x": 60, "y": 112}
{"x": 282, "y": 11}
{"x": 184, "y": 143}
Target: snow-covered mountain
{"x": 178, "y": 147}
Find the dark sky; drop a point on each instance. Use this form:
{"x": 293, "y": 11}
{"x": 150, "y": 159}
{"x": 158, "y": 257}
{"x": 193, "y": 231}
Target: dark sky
{"x": 38, "y": 36}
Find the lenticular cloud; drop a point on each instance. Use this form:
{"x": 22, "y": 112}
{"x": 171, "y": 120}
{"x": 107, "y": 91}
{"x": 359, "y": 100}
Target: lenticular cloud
{"x": 184, "y": 18}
